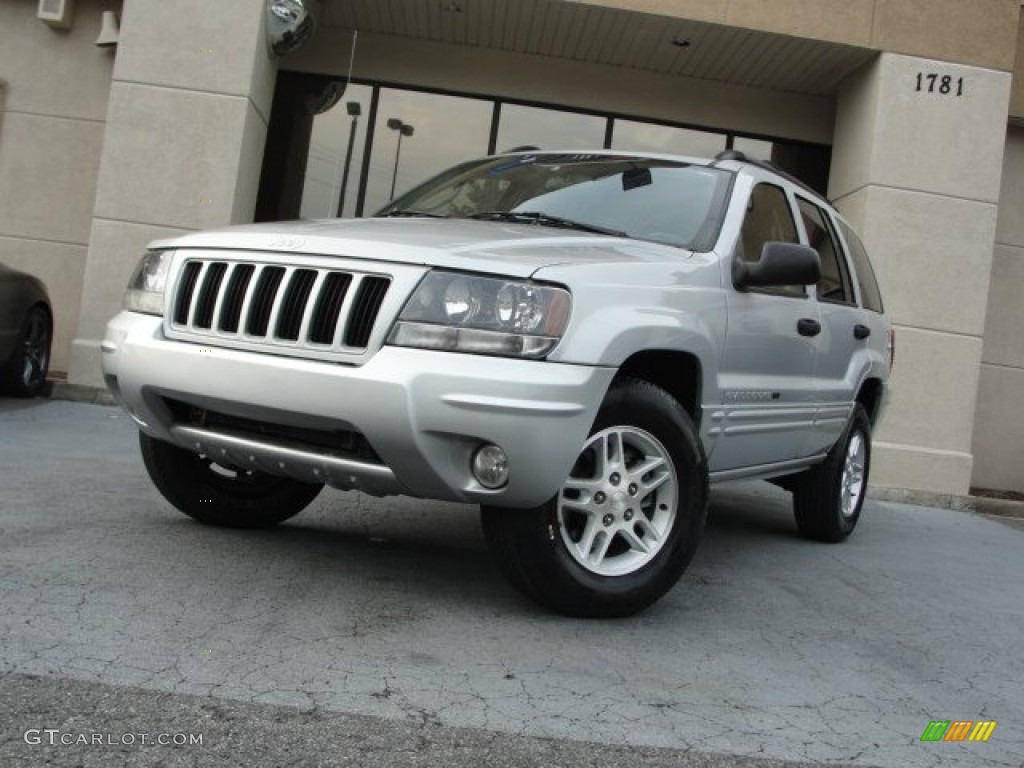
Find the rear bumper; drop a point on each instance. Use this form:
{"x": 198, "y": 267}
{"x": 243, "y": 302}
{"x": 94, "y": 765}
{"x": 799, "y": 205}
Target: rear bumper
{"x": 424, "y": 413}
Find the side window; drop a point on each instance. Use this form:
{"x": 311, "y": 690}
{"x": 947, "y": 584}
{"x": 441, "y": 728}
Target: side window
{"x": 870, "y": 296}
{"x": 834, "y": 285}
{"x": 769, "y": 219}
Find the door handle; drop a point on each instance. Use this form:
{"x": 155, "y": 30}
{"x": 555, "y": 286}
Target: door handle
{"x": 805, "y": 326}
{"x": 861, "y": 331}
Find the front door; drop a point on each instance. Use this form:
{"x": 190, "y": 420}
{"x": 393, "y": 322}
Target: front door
{"x": 767, "y": 375}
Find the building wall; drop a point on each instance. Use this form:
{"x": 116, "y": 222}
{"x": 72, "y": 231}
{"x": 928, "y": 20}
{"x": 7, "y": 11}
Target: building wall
{"x": 916, "y": 168}
{"x": 186, "y": 124}
{"x": 1017, "y": 93}
{"x": 999, "y": 423}
{"x": 53, "y": 107}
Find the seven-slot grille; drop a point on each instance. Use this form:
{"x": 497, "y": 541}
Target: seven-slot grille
{"x": 309, "y": 308}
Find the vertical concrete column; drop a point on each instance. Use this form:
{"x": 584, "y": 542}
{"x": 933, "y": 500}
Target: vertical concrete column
{"x": 916, "y": 168}
{"x": 999, "y": 419}
{"x": 186, "y": 124}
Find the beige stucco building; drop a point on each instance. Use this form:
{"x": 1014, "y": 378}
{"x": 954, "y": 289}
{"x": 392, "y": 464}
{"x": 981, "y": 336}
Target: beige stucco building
{"x": 909, "y": 112}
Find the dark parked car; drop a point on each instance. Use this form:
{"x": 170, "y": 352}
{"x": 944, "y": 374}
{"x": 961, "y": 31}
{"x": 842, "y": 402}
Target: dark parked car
{"x": 26, "y": 331}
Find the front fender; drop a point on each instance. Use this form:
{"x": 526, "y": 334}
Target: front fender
{"x": 679, "y": 307}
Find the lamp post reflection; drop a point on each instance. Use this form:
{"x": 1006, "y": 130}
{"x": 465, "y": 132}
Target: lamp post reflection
{"x": 404, "y": 129}
{"x": 354, "y": 111}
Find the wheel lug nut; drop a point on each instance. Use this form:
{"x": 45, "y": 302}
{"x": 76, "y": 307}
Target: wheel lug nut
{"x": 628, "y": 515}
{"x": 599, "y": 498}
{"x": 615, "y": 479}
{"x": 632, "y": 489}
{"x": 608, "y": 520}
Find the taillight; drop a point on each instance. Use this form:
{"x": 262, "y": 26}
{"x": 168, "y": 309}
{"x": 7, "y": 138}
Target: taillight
{"x": 892, "y": 347}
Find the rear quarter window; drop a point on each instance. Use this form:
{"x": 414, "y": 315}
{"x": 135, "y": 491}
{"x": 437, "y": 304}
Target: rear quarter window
{"x": 870, "y": 296}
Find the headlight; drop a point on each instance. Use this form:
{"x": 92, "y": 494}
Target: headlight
{"x": 146, "y": 288}
{"x": 484, "y": 315}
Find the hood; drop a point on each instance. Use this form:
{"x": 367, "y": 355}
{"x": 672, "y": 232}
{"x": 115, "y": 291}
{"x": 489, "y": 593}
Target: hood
{"x": 517, "y": 250}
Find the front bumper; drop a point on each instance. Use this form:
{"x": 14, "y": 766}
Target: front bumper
{"x": 423, "y": 413}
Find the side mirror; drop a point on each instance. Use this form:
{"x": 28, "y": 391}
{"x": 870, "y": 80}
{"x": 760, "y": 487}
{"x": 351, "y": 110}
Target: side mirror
{"x": 780, "y": 264}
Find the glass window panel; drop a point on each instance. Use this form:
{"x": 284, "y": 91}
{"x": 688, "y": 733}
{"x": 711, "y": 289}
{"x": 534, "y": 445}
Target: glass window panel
{"x": 769, "y": 218}
{"x": 548, "y": 129}
{"x": 659, "y": 200}
{"x": 870, "y": 296}
{"x": 647, "y": 137}
{"x": 328, "y": 148}
{"x": 834, "y": 285}
{"x": 445, "y": 130}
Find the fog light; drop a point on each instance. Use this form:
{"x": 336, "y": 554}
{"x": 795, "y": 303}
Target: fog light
{"x": 490, "y": 466}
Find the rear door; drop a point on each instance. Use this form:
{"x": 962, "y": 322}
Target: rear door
{"x": 843, "y": 332}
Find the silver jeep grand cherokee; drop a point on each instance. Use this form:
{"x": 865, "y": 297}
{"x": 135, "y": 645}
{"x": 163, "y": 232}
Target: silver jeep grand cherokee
{"x": 579, "y": 342}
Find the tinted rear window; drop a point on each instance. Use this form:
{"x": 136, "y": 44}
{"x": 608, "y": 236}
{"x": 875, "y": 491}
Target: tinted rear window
{"x": 870, "y": 296}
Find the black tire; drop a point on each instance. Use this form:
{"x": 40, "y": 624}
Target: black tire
{"x": 540, "y": 550}
{"x": 25, "y": 375}
{"x": 828, "y": 498}
{"x": 222, "y": 496}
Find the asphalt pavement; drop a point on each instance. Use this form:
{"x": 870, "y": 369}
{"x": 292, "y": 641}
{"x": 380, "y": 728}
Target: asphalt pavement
{"x": 378, "y": 632}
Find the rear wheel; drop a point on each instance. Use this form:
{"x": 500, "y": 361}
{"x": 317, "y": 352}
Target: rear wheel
{"x": 827, "y": 499}
{"x": 628, "y": 519}
{"x": 26, "y": 372}
{"x": 222, "y": 495}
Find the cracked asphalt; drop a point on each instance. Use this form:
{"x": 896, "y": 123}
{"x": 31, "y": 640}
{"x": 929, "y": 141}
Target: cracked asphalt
{"x": 378, "y": 632}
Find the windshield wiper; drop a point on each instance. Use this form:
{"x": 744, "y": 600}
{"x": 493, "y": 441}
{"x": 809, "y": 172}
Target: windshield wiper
{"x": 410, "y": 212}
{"x": 545, "y": 219}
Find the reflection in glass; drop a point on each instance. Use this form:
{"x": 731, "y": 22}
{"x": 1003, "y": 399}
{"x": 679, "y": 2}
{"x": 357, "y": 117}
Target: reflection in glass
{"x": 402, "y": 129}
{"x": 548, "y": 129}
{"x": 336, "y": 145}
{"x": 647, "y": 137}
{"x": 448, "y": 130}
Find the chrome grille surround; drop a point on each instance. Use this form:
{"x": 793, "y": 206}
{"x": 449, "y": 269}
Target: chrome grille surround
{"x": 303, "y": 306}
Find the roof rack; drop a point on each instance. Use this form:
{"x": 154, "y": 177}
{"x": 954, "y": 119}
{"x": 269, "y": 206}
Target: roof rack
{"x": 741, "y": 157}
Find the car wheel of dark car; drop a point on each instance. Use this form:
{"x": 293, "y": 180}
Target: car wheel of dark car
{"x": 30, "y": 362}
{"x": 222, "y": 495}
{"x": 628, "y": 519}
{"x": 828, "y": 498}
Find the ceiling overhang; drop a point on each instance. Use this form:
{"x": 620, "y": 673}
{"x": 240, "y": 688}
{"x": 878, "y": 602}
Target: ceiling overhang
{"x": 576, "y": 31}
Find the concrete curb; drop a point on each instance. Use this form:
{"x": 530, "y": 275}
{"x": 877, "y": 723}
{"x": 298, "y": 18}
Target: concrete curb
{"x": 982, "y": 505}
{"x": 922, "y": 498}
{"x": 986, "y": 505}
{"x": 77, "y": 393}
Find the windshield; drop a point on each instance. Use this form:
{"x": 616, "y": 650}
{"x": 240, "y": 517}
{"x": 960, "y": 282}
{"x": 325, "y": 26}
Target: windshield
{"x": 665, "y": 201}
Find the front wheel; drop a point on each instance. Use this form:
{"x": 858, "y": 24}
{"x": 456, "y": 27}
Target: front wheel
{"x": 628, "y": 519}
{"x": 827, "y": 499}
{"x": 221, "y": 495}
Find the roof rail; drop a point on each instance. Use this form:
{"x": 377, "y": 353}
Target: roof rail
{"x": 741, "y": 157}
